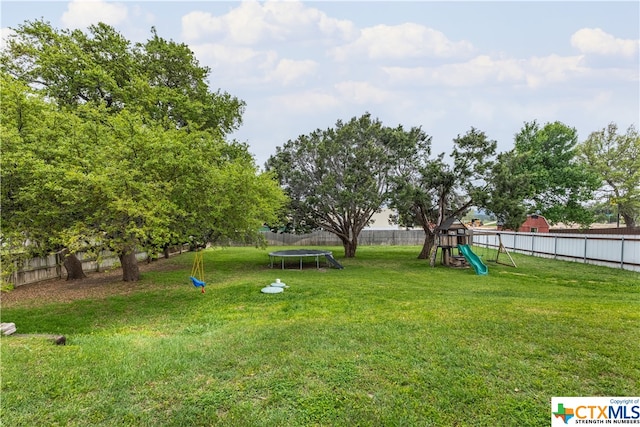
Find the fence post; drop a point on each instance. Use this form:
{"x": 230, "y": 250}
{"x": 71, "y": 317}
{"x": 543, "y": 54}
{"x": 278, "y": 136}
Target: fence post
{"x": 15, "y": 274}
{"x": 585, "y": 248}
{"x": 533, "y": 244}
{"x": 622, "y": 253}
{"x": 59, "y": 262}
{"x": 555, "y": 247}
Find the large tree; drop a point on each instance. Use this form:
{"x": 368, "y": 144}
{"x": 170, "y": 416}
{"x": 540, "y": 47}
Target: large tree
{"x": 338, "y": 178}
{"x": 162, "y": 79}
{"x": 37, "y": 179}
{"x": 429, "y": 190}
{"x": 508, "y": 191}
{"x": 558, "y": 184}
{"x": 615, "y": 158}
{"x": 141, "y": 160}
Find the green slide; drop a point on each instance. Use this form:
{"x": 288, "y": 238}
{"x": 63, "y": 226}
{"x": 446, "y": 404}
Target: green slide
{"x": 474, "y": 260}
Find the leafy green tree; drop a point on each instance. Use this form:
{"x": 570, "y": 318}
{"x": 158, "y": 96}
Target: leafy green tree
{"x": 604, "y": 212}
{"x": 337, "y": 178}
{"x": 160, "y": 78}
{"x": 545, "y": 177}
{"x": 429, "y": 190}
{"x": 139, "y": 157}
{"x": 180, "y": 96}
{"x": 615, "y": 158}
{"x": 72, "y": 67}
{"x": 508, "y": 191}
{"x": 34, "y": 186}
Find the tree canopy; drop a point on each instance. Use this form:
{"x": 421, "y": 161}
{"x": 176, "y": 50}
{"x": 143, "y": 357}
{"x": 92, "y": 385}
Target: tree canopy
{"x": 429, "y": 190}
{"x": 121, "y": 147}
{"x": 615, "y": 158}
{"x": 508, "y": 191}
{"x": 542, "y": 174}
{"x": 337, "y": 178}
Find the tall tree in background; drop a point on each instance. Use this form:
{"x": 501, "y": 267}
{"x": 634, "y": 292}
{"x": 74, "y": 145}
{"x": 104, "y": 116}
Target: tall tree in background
{"x": 338, "y": 178}
{"x": 558, "y": 183}
{"x": 507, "y": 191}
{"x": 615, "y": 158}
{"x": 137, "y": 155}
{"x": 429, "y": 190}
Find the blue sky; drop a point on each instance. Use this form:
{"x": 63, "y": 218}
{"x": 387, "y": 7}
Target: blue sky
{"x": 444, "y": 66}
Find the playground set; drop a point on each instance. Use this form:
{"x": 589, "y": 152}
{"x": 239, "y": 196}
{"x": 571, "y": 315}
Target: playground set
{"x": 451, "y": 236}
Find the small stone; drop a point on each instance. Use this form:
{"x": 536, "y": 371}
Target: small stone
{"x": 7, "y": 328}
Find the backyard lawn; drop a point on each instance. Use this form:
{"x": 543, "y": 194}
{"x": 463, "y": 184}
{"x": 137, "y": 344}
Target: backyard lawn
{"x": 388, "y": 341}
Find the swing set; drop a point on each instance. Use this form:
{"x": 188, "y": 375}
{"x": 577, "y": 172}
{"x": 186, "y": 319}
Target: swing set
{"x": 501, "y": 249}
{"x": 197, "y": 271}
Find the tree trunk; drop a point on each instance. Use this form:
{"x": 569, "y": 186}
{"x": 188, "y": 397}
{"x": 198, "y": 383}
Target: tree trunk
{"x": 628, "y": 220}
{"x": 166, "y": 251}
{"x": 130, "y": 270}
{"x": 350, "y": 247}
{"x": 73, "y": 265}
{"x": 429, "y": 240}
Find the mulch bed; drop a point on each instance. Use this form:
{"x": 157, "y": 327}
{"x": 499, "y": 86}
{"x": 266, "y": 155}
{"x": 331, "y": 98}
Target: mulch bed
{"x": 94, "y": 286}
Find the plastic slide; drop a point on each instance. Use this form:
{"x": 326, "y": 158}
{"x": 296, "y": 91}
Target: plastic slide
{"x": 474, "y": 260}
{"x": 333, "y": 261}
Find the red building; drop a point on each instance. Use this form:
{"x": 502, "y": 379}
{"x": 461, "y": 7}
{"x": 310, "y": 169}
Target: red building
{"x": 535, "y": 224}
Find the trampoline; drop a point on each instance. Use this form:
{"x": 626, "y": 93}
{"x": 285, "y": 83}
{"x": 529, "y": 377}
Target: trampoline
{"x": 303, "y": 253}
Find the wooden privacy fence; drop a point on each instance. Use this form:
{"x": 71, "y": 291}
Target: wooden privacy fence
{"x": 621, "y": 251}
{"x": 366, "y": 238}
{"x": 51, "y": 267}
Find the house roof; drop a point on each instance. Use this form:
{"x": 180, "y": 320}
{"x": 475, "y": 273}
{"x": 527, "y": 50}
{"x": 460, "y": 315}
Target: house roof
{"x": 451, "y": 223}
{"x": 536, "y": 221}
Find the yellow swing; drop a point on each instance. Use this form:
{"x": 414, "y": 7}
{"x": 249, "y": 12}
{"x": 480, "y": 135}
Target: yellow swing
{"x": 197, "y": 271}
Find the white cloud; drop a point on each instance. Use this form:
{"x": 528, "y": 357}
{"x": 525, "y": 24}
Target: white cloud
{"x": 82, "y": 13}
{"x": 554, "y": 69}
{"x": 403, "y": 41}
{"x": 236, "y": 63}
{"x": 290, "y": 71}
{"x": 307, "y": 102}
{"x": 362, "y": 93}
{"x": 216, "y": 54}
{"x": 597, "y": 41}
{"x": 199, "y": 24}
{"x": 483, "y": 70}
{"x": 252, "y": 66}
{"x": 253, "y": 22}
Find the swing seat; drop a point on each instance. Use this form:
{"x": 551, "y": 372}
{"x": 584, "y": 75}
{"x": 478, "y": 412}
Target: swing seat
{"x": 197, "y": 283}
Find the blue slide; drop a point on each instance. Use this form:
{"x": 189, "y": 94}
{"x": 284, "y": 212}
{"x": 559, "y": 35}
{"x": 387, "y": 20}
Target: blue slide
{"x": 474, "y": 260}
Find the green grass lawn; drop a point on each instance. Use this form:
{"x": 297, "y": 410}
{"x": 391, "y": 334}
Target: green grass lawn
{"x": 388, "y": 341}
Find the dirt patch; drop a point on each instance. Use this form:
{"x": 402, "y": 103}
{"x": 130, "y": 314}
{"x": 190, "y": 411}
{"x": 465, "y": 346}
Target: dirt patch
{"x": 94, "y": 286}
